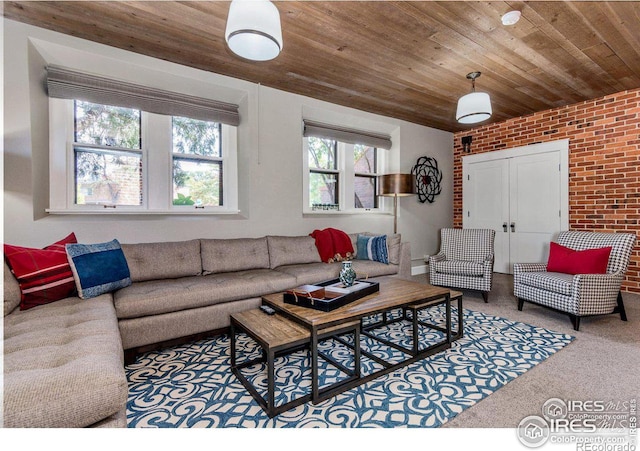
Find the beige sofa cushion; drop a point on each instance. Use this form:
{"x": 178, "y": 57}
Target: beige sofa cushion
{"x": 164, "y": 296}
{"x": 292, "y": 250}
{"x": 63, "y": 364}
{"x": 170, "y": 260}
{"x": 369, "y": 268}
{"x": 311, "y": 273}
{"x": 234, "y": 255}
{"x": 11, "y": 291}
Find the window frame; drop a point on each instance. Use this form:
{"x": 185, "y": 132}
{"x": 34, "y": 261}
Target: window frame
{"x": 370, "y": 175}
{"x": 193, "y": 157}
{"x": 156, "y": 151}
{"x": 346, "y": 177}
{"x": 72, "y": 179}
{"x": 335, "y": 172}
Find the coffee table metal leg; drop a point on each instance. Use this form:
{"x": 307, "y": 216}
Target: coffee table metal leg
{"x": 232, "y": 338}
{"x": 448, "y": 309}
{"x": 356, "y": 351}
{"x": 460, "y": 319}
{"x": 315, "y": 390}
{"x": 416, "y": 344}
{"x": 271, "y": 384}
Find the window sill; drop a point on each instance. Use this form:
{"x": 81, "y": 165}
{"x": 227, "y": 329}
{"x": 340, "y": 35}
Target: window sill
{"x": 345, "y": 212}
{"x": 113, "y": 212}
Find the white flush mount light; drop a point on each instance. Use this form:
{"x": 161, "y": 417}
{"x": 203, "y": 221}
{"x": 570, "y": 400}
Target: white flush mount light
{"x": 511, "y": 18}
{"x": 474, "y": 107}
{"x": 253, "y": 29}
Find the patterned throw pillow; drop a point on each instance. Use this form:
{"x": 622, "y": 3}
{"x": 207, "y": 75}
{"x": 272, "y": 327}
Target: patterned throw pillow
{"x": 44, "y": 275}
{"x": 98, "y": 268}
{"x": 373, "y": 248}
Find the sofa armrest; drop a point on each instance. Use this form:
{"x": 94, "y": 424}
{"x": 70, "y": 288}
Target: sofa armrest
{"x": 439, "y": 257}
{"x": 528, "y": 267}
{"x": 596, "y": 293}
{"x": 519, "y": 268}
{"x": 404, "y": 269}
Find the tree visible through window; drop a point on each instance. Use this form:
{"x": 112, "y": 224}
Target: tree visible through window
{"x": 197, "y": 162}
{"x": 365, "y": 176}
{"x": 323, "y": 173}
{"x": 335, "y": 165}
{"x": 107, "y": 155}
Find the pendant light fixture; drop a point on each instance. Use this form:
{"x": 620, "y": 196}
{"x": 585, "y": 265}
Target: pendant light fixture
{"x": 474, "y": 107}
{"x": 253, "y": 29}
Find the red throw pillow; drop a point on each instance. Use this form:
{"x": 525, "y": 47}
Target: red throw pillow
{"x": 324, "y": 243}
{"x": 589, "y": 261}
{"x": 44, "y": 275}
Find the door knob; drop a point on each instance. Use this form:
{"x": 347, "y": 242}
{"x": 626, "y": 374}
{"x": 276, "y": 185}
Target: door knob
{"x": 504, "y": 227}
{"x": 513, "y": 226}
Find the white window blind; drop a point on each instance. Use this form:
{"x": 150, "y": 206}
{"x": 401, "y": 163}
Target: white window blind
{"x": 64, "y": 83}
{"x": 346, "y": 135}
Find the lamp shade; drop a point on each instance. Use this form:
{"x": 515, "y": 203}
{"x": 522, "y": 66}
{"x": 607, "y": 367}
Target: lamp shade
{"x": 474, "y": 107}
{"x": 253, "y": 29}
{"x": 397, "y": 184}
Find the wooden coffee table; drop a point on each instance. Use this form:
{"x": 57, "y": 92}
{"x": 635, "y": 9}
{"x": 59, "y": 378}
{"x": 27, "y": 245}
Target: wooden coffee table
{"x": 295, "y": 326}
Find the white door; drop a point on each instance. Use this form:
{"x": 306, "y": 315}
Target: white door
{"x": 521, "y": 194}
{"x": 534, "y": 213}
{"x": 487, "y": 188}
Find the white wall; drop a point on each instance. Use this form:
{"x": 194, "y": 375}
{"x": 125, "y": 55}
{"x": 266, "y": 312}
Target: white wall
{"x": 270, "y": 158}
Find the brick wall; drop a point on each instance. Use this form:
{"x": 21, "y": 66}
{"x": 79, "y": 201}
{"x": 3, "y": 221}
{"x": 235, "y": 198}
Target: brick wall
{"x": 604, "y": 162}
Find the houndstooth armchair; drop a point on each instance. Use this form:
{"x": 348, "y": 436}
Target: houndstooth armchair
{"x": 465, "y": 260}
{"x": 582, "y": 294}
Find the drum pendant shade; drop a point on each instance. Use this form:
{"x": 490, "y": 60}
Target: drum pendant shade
{"x": 474, "y": 107}
{"x": 253, "y": 29}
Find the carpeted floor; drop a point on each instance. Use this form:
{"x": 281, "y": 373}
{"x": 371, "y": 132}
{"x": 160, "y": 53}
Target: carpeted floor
{"x": 603, "y": 362}
{"x": 192, "y": 386}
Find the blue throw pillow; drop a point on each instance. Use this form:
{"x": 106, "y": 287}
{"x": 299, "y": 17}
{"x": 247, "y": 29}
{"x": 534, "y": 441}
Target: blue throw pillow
{"x": 98, "y": 268}
{"x": 372, "y": 248}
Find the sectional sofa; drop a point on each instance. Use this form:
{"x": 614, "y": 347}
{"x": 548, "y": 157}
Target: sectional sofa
{"x": 64, "y": 361}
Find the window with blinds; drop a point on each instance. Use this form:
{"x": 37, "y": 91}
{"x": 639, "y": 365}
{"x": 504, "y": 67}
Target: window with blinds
{"x": 341, "y": 168}
{"x": 117, "y": 134}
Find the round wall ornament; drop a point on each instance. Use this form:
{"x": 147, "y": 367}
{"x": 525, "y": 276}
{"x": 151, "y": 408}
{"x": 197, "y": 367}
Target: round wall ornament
{"x": 428, "y": 179}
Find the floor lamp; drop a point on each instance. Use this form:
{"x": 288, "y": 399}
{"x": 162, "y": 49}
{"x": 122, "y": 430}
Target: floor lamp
{"x": 396, "y": 185}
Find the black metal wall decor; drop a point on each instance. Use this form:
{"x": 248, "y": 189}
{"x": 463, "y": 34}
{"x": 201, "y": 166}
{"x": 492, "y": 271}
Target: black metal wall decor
{"x": 428, "y": 179}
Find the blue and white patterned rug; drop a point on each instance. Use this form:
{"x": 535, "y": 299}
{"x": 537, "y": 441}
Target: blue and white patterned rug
{"x": 193, "y": 386}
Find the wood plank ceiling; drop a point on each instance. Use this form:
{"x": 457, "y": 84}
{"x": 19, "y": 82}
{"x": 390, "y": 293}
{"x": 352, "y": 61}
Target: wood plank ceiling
{"x": 404, "y": 59}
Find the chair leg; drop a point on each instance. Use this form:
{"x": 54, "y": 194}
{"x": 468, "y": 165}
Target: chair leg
{"x": 520, "y": 304}
{"x": 575, "y": 320}
{"x": 620, "y": 308}
{"x": 485, "y": 296}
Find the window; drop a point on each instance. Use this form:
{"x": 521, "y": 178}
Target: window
{"x": 323, "y": 174}
{"x": 197, "y": 162}
{"x": 131, "y": 149}
{"x": 125, "y": 159}
{"x": 366, "y": 182}
{"x": 341, "y": 168}
{"x": 341, "y": 176}
{"x": 107, "y": 155}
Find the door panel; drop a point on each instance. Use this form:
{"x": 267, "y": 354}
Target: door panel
{"x": 488, "y": 205}
{"x": 523, "y": 191}
{"x": 534, "y": 211}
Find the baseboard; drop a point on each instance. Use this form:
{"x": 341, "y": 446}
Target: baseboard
{"x": 422, "y": 269}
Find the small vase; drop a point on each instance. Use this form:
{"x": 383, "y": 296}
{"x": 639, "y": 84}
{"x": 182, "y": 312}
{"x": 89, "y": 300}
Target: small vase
{"x": 347, "y": 274}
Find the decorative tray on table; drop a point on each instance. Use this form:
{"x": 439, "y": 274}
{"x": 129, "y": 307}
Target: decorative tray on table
{"x": 329, "y": 295}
